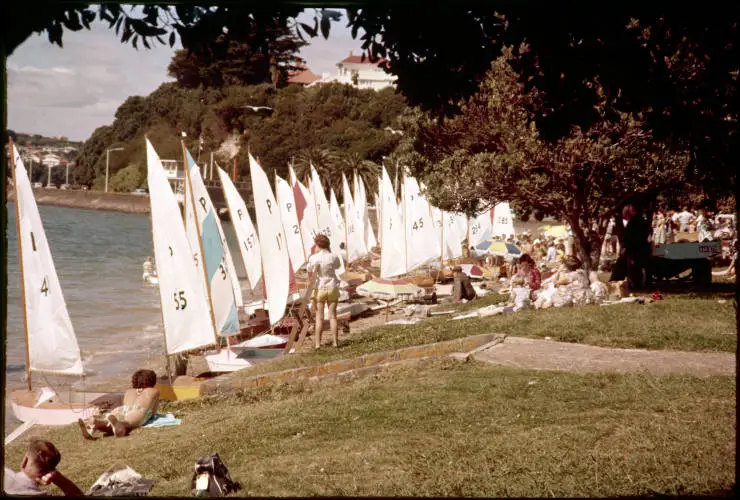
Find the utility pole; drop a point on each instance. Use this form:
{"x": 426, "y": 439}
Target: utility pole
{"x": 66, "y": 180}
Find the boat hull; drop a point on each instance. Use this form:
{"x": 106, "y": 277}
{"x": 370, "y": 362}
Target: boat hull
{"x": 58, "y": 412}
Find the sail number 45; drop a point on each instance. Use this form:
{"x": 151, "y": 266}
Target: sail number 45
{"x": 180, "y": 301}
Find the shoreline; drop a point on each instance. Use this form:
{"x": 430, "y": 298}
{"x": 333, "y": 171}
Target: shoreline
{"x": 90, "y": 200}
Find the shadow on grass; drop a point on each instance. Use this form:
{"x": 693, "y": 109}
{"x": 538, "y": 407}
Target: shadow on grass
{"x": 718, "y": 289}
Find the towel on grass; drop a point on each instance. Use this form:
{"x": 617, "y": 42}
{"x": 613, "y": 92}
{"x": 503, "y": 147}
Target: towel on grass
{"x": 160, "y": 420}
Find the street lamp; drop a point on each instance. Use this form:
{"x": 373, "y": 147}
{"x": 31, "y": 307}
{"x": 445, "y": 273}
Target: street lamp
{"x": 107, "y": 164}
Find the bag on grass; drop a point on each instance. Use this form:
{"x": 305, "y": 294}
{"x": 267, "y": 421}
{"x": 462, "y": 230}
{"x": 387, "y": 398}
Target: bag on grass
{"x": 211, "y": 478}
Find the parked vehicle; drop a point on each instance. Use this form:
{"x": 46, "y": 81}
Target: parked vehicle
{"x": 37, "y": 185}
{"x": 140, "y": 192}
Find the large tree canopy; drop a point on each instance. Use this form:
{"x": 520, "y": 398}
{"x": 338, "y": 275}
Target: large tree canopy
{"x": 493, "y": 151}
{"x": 676, "y": 65}
{"x": 240, "y": 62}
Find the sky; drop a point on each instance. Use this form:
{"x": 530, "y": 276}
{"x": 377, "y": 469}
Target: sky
{"x": 73, "y": 90}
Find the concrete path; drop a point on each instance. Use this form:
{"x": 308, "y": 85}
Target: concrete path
{"x": 541, "y": 354}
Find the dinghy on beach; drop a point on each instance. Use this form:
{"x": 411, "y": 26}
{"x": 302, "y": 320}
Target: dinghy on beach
{"x": 51, "y": 344}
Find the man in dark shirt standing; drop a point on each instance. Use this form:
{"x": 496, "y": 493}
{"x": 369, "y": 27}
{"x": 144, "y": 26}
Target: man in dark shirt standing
{"x": 636, "y": 247}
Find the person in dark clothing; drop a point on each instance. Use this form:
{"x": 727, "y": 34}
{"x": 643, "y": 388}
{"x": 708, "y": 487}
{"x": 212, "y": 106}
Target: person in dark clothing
{"x": 461, "y": 286}
{"x": 636, "y": 248}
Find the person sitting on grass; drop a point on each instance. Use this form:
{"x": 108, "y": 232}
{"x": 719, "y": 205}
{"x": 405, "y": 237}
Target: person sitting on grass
{"x": 528, "y": 270}
{"x": 139, "y": 405}
{"x": 39, "y": 468}
{"x": 462, "y": 289}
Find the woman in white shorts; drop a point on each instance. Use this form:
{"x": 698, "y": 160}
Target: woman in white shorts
{"x": 323, "y": 265}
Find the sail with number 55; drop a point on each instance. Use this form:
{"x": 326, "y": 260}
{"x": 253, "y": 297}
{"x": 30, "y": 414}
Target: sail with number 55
{"x": 188, "y": 322}
{"x": 275, "y": 259}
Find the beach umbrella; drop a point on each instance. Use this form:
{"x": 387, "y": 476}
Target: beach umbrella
{"x": 388, "y": 289}
{"x": 497, "y": 247}
{"x": 560, "y": 231}
{"x": 474, "y": 271}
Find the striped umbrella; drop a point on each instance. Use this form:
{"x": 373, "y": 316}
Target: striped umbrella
{"x": 498, "y": 247}
{"x": 385, "y": 289}
{"x": 474, "y": 271}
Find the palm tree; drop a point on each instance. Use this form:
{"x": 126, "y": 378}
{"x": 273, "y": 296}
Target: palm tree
{"x": 323, "y": 160}
{"x": 367, "y": 170}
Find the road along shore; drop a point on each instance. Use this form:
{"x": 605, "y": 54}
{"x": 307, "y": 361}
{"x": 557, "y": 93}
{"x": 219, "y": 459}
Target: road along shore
{"x": 91, "y": 200}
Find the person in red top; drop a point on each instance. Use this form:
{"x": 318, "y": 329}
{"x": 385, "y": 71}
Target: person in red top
{"x": 528, "y": 269}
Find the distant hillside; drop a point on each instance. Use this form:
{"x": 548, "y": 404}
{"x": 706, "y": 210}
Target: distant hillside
{"x": 36, "y": 140}
{"x": 35, "y": 149}
{"x": 337, "y": 128}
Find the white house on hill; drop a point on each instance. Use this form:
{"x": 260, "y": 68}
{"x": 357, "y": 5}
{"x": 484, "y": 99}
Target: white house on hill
{"x": 354, "y": 71}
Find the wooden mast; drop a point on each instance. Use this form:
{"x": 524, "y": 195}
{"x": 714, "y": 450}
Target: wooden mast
{"x": 20, "y": 261}
{"x": 189, "y": 185}
{"x": 405, "y": 221}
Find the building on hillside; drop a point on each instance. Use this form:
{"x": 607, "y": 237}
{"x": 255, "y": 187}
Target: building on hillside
{"x": 354, "y": 71}
{"x": 50, "y": 160}
{"x": 302, "y": 77}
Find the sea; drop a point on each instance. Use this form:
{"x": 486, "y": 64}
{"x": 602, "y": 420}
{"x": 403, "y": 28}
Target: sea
{"x": 116, "y": 316}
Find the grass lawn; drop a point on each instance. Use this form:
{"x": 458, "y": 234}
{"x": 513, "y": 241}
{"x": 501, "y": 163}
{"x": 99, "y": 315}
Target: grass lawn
{"x": 438, "y": 428}
{"x": 682, "y": 322}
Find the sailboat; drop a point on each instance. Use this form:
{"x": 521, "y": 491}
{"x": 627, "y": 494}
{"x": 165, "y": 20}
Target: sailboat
{"x": 51, "y": 344}
{"x": 187, "y": 317}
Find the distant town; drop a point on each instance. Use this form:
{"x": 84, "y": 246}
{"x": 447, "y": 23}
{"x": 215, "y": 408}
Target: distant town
{"x": 42, "y": 155}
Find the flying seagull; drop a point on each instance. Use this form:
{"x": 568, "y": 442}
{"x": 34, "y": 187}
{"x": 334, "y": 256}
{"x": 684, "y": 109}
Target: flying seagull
{"x": 257, "y": 108}
{"x": 394, "y": 131}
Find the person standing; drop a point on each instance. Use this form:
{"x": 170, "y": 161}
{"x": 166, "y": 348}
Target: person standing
{"x": 324, "y": 265}
{"x": 39, "y": 468}
{"x": 636, "y": 247}
{"x": 659, "y": 222}
{"x": 684, "y": 219}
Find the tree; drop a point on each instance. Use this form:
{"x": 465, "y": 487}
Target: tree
{"x": 240, "y": 62}
{"x": 493, "y": 151}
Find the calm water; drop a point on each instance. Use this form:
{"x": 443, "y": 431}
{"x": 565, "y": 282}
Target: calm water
{"x": 117, "y": 318}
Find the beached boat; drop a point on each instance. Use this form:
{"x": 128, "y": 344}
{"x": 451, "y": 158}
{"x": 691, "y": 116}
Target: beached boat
{"x": 51, "y": 344}
{"x": 273, "y": 248}
{"x": 187, "y": 317}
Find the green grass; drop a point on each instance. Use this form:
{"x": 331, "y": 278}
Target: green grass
{"x": 682, "y": 322}
{"x": 439, "y": 428}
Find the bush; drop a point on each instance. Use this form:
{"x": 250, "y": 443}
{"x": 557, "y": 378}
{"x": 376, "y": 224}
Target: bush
{"x": 126, "y": 180}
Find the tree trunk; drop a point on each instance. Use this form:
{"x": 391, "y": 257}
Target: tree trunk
{"x": 582, "y": 245}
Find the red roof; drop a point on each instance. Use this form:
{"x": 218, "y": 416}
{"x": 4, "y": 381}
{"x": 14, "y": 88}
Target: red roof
{"x": 303, "y": 77}
{"x": 358, "y": 60}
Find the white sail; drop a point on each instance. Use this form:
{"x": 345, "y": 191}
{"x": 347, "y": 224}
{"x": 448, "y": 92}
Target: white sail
{"x": 246, "y": 235}
{"x": 422, "y": 240}
{"x": 291, "y": 227}
{"x": 452, "y": 234}
{"x": 370, "y": 240}
{"x": 323, "y": 216}
{"x": 379, "y": 209}
{"x": 309, "y": 221}
{"x": 274, "y": 248}
{"x": 480, "y": 228}
{"x": 52, "y": 344}
{"x": 222, "y": 279}
{"x": 185, "y": 310}
{"x": 393, "y": 258}
{"x": 355, "y": 228}
{"x": 340, "y": 235}
{"x": 503, "y": 222}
